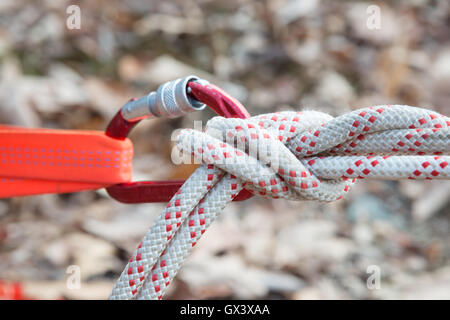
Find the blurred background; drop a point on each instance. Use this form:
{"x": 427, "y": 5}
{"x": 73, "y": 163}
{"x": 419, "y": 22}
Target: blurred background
{"x": 272, "y": 55}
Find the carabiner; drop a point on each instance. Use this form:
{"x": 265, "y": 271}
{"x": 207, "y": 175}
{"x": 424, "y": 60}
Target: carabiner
{"x": 172, "y": 99}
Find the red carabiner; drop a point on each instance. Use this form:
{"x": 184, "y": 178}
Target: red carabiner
{"x": 162, "y": 191}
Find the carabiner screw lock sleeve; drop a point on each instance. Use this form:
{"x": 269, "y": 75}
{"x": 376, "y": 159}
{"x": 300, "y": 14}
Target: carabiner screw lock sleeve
{"x": 171, "y": 100}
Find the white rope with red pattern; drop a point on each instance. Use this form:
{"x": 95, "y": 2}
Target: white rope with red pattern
{"x": 292, "y": 155}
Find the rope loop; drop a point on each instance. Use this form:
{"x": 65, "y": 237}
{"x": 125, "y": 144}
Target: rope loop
{"x": 293, "y": 155}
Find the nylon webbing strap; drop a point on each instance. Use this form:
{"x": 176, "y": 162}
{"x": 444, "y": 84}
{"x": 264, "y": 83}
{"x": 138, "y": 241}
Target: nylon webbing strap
{"x": 36, "y": 161}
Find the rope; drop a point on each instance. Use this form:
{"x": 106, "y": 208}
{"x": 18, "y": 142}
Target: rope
{"x": 293, "y": 155}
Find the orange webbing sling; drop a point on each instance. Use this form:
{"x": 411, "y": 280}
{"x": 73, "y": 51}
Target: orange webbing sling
{"x": 36, "y": 161}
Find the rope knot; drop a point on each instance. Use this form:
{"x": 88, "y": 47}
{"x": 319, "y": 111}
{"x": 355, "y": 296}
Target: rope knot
{"x": 311, "y": 155}
{"x": 263, "y": 152}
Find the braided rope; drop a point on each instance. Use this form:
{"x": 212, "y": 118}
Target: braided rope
{"x": 292, "y": 155}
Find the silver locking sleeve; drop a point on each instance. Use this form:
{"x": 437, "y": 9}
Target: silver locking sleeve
{"x": 171, "y": 100}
